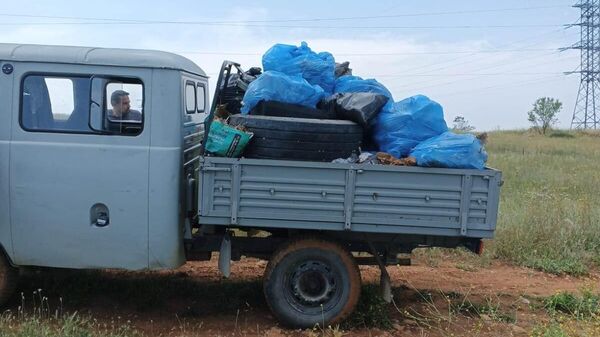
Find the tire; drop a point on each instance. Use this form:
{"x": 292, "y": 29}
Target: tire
{"x": 9, "y": 276}
{"x": 292, "y": 154}
{"x": 304, "y": 135}
{"x": 264, "y": 142}
{"x": 333, "y": 126}
{"x": 279, "y": 109}
{"x": 311, "y": 281}
{"x": 299, "y": 138}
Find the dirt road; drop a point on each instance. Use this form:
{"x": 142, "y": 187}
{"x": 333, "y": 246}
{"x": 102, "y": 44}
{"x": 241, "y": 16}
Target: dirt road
{"x": 447, "y": 299}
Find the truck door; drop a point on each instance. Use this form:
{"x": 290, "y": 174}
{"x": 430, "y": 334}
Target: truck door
{"x": 195, "y": 113}
{"x": 79, "y": 195}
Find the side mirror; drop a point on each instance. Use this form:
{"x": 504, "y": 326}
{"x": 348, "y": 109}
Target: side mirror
{"x": 97, "y": 104}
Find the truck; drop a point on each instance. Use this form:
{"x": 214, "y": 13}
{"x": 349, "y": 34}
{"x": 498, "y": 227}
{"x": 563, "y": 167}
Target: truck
{"x": 88, "y": 184}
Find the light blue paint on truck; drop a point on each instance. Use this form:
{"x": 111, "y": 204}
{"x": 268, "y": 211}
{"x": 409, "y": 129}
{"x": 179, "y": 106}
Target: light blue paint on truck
{"x": 52, "y": 179}
{"x": 349, "y": 197}
{"x": 82, "y": 186}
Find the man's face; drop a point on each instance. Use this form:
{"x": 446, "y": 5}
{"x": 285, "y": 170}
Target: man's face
{"x": 123, "y": 106}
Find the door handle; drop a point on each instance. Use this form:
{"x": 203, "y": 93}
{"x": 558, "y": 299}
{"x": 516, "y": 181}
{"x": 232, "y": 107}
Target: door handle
{"x": 99, "y": 215}
{"x": 102, "y": 220}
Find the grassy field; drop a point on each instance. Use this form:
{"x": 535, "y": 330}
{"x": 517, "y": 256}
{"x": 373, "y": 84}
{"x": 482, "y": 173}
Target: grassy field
{"x": 549, "y": 220}
{"x": 550, "y": 207}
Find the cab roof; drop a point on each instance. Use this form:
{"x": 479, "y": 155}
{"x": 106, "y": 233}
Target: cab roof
{"x": 97, "y": 56}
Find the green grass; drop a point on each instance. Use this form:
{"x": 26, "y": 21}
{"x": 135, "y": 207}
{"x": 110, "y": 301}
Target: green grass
{"x": 550, "y": 330}
{"x": 550, "y": 206}
{"x": 72, "y": 325}
{"x": 562, "y": 134}
{"x": 489, "y": 308}
{"x": 371, "y": 311}
{"x": 580, "y": 307}
{"x": 571, "y": 315}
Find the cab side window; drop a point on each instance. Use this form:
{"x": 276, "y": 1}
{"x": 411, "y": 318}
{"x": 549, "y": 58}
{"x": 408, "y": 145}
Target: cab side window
{"x": 195, "y": 97}
{"x": 201, "y": 98}
{"x": 190, "y": 98}
{"x": 82, "y": 104}
{"x": 124, "y": 107}
{"x": 52, "y": 103}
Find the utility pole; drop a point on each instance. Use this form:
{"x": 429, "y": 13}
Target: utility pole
{"x": 585, "y": 114}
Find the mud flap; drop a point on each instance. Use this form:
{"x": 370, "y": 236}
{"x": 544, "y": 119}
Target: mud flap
{"x": 384, "y": 278}
{"x": 386, "y": 285}
{"x": 225, "y": 256}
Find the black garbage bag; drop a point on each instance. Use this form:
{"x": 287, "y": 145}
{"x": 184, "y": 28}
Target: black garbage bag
{"x": 359, "y": 107}
{"x": 342, "y": 69}
{"x": 327, "y": 104}
{"x": 254, "y": 71}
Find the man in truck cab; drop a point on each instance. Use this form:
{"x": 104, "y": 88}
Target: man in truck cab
{"x": 121, "y": 108}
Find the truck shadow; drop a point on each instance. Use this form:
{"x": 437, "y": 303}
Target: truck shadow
{"x": 172, "y": 292}
{"x": 173, "y": 295}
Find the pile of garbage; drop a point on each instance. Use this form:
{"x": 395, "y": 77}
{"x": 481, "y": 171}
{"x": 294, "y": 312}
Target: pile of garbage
{"x": 411, "y": 131}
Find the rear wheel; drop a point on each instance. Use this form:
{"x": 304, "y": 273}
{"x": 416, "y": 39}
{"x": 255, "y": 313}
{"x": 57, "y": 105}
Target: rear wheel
{"x": 8, "y": 279}
{"x": 312, "y": 281}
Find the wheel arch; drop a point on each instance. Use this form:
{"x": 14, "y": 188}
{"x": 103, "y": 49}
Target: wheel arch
{"x": 5, "y": 254}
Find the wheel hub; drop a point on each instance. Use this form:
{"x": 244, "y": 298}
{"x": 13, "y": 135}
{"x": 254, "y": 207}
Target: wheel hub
{"x": 313, "y": 283}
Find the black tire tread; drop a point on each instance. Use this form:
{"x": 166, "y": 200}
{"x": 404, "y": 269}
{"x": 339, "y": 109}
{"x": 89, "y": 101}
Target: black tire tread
{"x": 305, "y": 135}
{"x": 295, "y": 124}
{"x": 303, "y": 145}
{"x": 290, "y": 154}
{"x": 279, "y": 109}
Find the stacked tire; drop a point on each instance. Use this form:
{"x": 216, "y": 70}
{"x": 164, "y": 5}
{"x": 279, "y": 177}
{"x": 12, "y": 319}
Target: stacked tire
{"x": 293, "y": 138}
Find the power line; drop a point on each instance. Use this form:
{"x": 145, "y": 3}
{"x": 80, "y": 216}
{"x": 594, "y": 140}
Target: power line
{"x": 464, "y": 79}
{"x": 276, "y": 26}
{"x": 448, "y": 61}
{"x": 483, "y": 51}
{"x": 473, "y": 74}
{"x": 510, "y": 85}
{"x": 474, "y": 53}
{"x": 285, "y": 20}
{"x": 555, "y": 51}
{"x": 476, "y": 74}
{"x": 471, "y": 60}
{"x": 481, "y": 68}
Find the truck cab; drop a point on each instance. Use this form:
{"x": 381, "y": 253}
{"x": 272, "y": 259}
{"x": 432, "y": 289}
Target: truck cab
{"x": 82, "y": 187}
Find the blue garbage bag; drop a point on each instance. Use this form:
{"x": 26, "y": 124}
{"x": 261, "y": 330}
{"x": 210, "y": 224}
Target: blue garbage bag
{"x": 451, "y": 150}
{"x": 317, "y": 69}
{"x": 402, "y": 125}
{"x": 276, "y": 86}
{"x": 350, "y": 83}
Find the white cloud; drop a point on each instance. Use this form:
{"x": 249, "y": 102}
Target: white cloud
{"x": 440, "y": 76}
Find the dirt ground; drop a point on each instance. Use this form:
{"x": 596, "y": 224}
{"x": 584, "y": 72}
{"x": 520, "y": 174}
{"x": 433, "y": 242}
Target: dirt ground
{"x": 195, "y": 301}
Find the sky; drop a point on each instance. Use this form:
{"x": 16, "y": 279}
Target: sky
{"x": 487, "y": 61}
